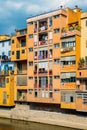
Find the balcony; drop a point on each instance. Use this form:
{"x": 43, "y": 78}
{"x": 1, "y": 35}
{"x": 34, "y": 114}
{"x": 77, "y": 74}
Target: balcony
{"x": 21, "y": 95}
{"x": 5, "y": 58}
{"x": 67, "y": 49}
{"x": 43, "y": 42}
{"x": 43, "y": 86}
{"x": 71, "y": 33}
{"x": 40, "y": 57}
{"x": 43, "y": 28}
{"x": 42, "y": 71}
{"x": 21, "y": 32}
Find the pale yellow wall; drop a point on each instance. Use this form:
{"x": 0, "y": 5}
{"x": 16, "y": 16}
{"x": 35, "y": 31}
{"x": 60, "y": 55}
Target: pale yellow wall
{"x": 83, "y": 34}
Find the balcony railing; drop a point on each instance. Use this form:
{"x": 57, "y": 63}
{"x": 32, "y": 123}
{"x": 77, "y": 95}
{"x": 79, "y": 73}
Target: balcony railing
{"x": 70, "y": 33}
{"x": 42, "y": 71}
{"x": 45, "y": 42}
{"x": 67, "y": 49}
{"x": 43, "y": 86}
{"x": 43, "y": 28}
{"x": 40, "y": 57}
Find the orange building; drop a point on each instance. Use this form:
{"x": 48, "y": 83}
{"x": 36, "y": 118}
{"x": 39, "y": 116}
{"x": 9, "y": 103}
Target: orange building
{"x": 19, "y": 56}
{"x": 54, "y": 52}
{"x": 44, "y": 32}
{"x": 70, "y": 55}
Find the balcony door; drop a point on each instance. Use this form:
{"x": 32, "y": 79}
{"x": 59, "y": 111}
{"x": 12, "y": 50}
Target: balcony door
{"x": 17, "y": 54}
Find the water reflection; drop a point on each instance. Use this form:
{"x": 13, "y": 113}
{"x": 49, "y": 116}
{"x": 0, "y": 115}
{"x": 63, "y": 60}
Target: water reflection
{"x": 16, "y": 125}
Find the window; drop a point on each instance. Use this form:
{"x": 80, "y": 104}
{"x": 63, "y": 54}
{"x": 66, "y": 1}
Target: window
{"x": 23, "y": 42}
{"x": 50, "y": 22}
{"x": 56, "y": 45}
{"x": 50, "y": 94}
{"x": 86, "y": 23}
{"x": 7, "y": 80}
{"x": 31, "y": 36}
{"x": 56, "y": 61}
{"x": 56, "y": 16}
{"x": 2, "y": 44}
{"x": 35, "y": 93}
{"x": 30, "y": 23}
{"x": 30, "y": 91}
{"x": 12, "y": 41}
{"x": 31, "y": 63}
{"x": 30, "y": 49}
{"x": 56, "y": 30}
{"x": 9, "y": 53}
{"x": 56, "y": 90}
{"x": 12, "y": 52}
{"x": 56, "y": 77}
{"x": 23, "y": 51}
{"x": 30, "y": 77}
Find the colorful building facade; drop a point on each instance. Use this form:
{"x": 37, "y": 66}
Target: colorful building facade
{"x": 6, "y": 71}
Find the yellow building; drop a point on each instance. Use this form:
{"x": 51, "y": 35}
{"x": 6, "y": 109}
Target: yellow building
{"x": 81, "y": 91}
{"x": 19, "y": 56}
{"x": 6, "y": 73}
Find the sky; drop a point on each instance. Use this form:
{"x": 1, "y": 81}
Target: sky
{"x": 13, "y": 13}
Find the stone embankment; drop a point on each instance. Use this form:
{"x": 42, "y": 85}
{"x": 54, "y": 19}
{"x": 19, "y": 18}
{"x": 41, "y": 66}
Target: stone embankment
{"x": 22, "y": 112}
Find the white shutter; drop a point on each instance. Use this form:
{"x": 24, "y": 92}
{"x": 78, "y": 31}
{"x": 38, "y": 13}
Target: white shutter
{"x": 35, "y": 38}
{"x": 50, "y": 65}
{"x": 50, "y": 35}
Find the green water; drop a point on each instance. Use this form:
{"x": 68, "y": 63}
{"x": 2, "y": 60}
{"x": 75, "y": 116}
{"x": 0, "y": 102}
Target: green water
{"x": 20, "y": 125}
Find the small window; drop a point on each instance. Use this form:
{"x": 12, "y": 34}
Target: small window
{"x": 12, "y": 52}
{"x": 86, "y": 23}
{"x": 23, "y": 51}
{"x": 30, "y": 77}
{"x": 3, "y": 44}
{"x": 71, "y": 99}
{"x": 12, "y": 41}
{"x": 30, "y": 23}
{"x": 56, "y": 77}
{"x": 56, "y": 30}
{"x": 50, "y": 94}
{"x": 80, "y": 73}
{"x": 30, "y": 49}
{"x": 35, "y": 94}
{"x": 31, "y": 36}
{"x": 7, "y": 80}
{"x": 56, "y": 16}
{"x": 56, "y": 61}
{"x": 56, "y": 90}
{"x": 56, "y": 45}
{"x": 31, "y": 63}
{"x": 30, "y": 91}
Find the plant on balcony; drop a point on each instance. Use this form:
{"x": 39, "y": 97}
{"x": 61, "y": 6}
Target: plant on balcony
{"x": 78, "y": 27}
{"x": 63, "y": 30}
{"x": 81, "y": 62}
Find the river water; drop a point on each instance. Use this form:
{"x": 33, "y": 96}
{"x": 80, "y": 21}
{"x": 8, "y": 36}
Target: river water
{"x": 20, "y": 125}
